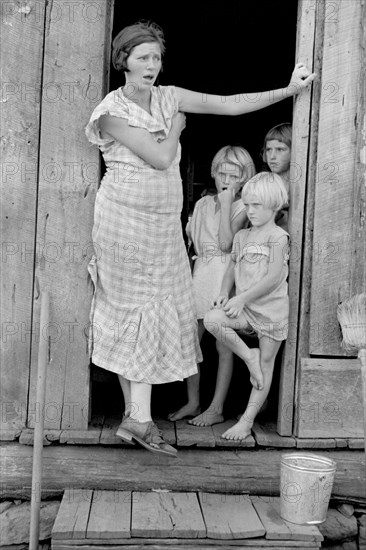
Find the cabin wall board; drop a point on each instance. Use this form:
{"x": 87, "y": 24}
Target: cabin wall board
{"x": 358, "y": 266}
{"x": 334, "y": 206}
{"x": 303, "y": 334}
{"x": 74, "y": 69}
{"x": 337, "y": 184}
{"x": 329, "y": 402}
{"x": 22, "y": 31}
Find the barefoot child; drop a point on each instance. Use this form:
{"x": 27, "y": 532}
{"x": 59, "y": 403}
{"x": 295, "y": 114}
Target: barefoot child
{"x": 258, "y": 267}
{"x": 276, "y": 153}
{"x": 215, "y": 221}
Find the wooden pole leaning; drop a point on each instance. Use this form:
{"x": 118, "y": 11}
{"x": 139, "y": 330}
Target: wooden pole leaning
{"x": 39, "y": 424}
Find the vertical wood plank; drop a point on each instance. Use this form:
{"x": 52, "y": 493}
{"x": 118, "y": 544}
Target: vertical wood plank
{"x": 72, "y": 518}
{"x": 166, "y": 515}
{"x": 230, "y": 516}
{"x": 336, "y": 183}
{"x": 110, "y": 515}
{"x": 74, "y": 67}
{"x": 298, "y": 179}
{"x": 304, "y": 318}
{"x": 358, "y": 267}
{"x": 275, "y": 527}
{"x": 22, "y": 31}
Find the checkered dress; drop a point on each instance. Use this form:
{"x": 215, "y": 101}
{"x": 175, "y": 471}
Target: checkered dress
{"x": 142, "y": 316}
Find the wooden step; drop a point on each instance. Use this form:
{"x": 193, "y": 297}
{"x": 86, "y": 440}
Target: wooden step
{"x": 249, "y": 470}
{"x": 164, "y": 519}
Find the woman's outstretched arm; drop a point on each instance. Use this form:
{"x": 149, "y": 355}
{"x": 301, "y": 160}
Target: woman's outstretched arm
{"x": 239, "y": 104}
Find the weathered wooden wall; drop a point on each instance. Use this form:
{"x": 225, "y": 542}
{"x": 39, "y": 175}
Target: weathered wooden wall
{"x": 338, "y": 268}
{"x": 330, "y": 261}
{"x": 73, "y": 72}
{"x": 22, "y": 36}
{"x": 53, "y": 83}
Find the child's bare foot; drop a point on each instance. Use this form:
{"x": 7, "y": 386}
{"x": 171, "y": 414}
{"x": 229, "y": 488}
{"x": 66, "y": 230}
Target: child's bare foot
{"x": 254, "y": 366}
{"x": 241, "y": 430}
{"x": 187, "y": 411}
{"x": 207, "y": 418}
{"x": 262, "y": 409}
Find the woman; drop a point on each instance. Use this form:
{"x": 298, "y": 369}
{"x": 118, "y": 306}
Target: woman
{"x": 142, "y": 313}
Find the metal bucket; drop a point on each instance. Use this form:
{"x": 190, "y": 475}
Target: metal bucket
{"x": 306, "y": 486}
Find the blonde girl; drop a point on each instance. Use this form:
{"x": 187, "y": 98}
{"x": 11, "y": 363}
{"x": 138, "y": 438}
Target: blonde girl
{"x": 215, "y": 221}
{"x": 259, "y": 269}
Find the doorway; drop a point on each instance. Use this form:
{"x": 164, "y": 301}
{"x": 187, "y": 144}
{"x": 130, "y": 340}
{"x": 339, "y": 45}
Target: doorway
{"x": 222, "y": 48}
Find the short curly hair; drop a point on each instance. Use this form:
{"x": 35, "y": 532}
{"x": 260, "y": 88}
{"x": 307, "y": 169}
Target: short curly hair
{"x": 132, "y": 36}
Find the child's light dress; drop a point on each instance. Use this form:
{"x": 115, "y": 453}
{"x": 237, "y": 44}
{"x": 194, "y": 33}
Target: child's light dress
{"x": 267, "y": 315}
{"x": 211, "y": 262}
{"x": 143, "y": 320}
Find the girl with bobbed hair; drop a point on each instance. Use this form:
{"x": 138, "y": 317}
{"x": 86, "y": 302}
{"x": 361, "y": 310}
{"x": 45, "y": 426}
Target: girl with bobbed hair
{"x": 276, "y": 154}
{"x": 132, "y": 36}
{"x": 276, "y": 151}
{"x": 143, "y": 309}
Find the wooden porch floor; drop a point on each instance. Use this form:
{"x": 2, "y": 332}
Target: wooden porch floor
{"x": 182, "y": 435}
{"x": 162, "y": 519}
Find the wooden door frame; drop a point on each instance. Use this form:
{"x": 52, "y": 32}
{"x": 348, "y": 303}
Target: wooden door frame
{"x": 310, "y": 28}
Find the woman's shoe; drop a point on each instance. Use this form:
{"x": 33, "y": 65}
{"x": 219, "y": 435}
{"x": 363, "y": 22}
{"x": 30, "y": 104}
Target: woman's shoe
{"x": 124, "y": 416}
{"x": 145, "y": 433}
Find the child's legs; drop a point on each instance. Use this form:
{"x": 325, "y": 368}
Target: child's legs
{"x": 224, "y": 329}
{"x": 268, "y": 351}
{"x": 224, "y": 374}
{"x": 192, "y": 407}
{"x": 193, "y": 382}
{"x": 213, "y": 414}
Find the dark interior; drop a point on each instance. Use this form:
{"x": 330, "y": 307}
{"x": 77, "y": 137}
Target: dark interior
{"x": 222, "y": 48}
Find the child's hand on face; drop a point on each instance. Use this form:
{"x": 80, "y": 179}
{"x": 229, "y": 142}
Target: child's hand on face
{"x": 227, "y": 196}
{"x": 234, "y": 306}
{"x": 219, "y": 302}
